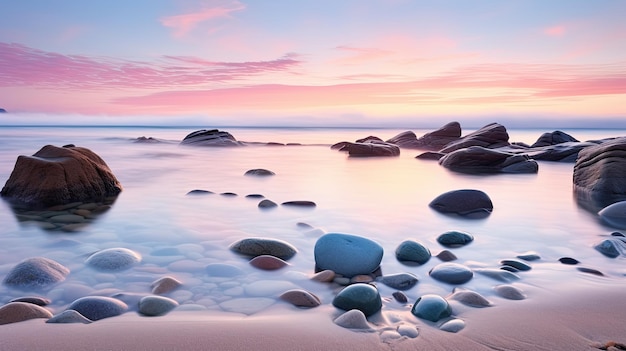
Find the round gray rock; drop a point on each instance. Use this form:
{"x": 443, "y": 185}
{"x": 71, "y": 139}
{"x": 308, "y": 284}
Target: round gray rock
{"x": 360, "y": 296}
{"x": 263, "y": 246}
{"x": 464, "y": 202}
{"x": 156, "y": 305}
{"x": 36, "y": 273}
{"x": 98, "y": 307}
{"x": 399, "y": 281}
{"x": 454, "y": 238}
{"x": 431, "y": 307}
{"x": 452, "y": 273}
{"x": 347, "y": 254}
{"x": 412, "y": 251}
{"x": 69, "y": 316}
{"x": 114, "y": 259}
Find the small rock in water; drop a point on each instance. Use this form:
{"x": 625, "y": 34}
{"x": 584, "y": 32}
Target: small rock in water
{"x": 36, "y": 273}
{"x": 199, "y": 192}
{"x": 36, "y": 300}
{"x": 262, "y": 246}
{"x": 265, "y": 203}
{"x": 510, "y": 269}
{"x": 498, "y": 274}
{"x": 69, "y": 316}
{"x": 455, "y": 238}
{"x": 519, "y": 265}
{"x": 228, "y": 194}
{"x": 452, "y": 273}
{"x": 325, "y": 276}
{"x": 453, "y": 325}
{"x": 353, "y": 319}
{"x": 400, "y": 281}
{"x": 360, "y": 296}
{"x": 412, "y": 251}
{"x": 469, "y": 298}
{"x": 165, "y": 285}
{"x": 268, "y": 262}
{"x": 568, "y": 260}
{"x": 400, "y": 297}
{"x": 590, "y": 271}
{"x": 431, "y": 307}
{"x": 255, "y": 196}
{"x": 612, "y": 247}
{"x": 98, "y": 307}
{"x": 259, "y": 172}
{"x": 614, "y": 214}
{"x": 347, "y": 254}
{"x": 509, "y": 292}
{"x": 465, "y": 202}
{"x": 299, "y": 203}
{"x": 156, "y": 305}
{"x": 301, "y": 298}
{"x": 529, "y": 256}
{"x": 446, "y": 256}
{"x": 21, "y": 311}
{"x": 115, "y": 259}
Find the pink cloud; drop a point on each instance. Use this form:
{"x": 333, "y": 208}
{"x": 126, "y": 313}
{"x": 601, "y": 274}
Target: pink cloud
{"x": 555, "y": 31}
{"x": 183, "y": 24}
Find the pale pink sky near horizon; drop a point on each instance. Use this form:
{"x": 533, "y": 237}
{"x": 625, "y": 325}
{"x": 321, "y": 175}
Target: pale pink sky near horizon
{"x": 249, "y": 62}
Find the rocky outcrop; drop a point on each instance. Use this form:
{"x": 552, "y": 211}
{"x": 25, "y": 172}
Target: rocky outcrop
{"x": 600, "y": 173}
{"x": 369, "y": 148}
{"x": 491, "y": 136}
{"x": 59, "y": 175}
{"x": 212, "y": 137}
{"x": 476, "y": 159}
{"x": 554, "y": 138}
{"x": 432, "y": 141}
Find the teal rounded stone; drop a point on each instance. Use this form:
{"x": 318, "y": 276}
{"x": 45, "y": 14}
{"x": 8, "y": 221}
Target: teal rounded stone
{"x": 431, "y": 307}
{"x": 412, "y": 251}
{"x": 347, "y": 254}
{"x": 454, "y": 238}
{"x": 360, "y": 296}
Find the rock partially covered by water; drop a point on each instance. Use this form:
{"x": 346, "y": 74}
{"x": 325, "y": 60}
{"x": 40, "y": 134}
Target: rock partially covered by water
{"x": 69, "y": 316}
{"x": 156, "y": 305}
{"x": 554, "y": 138}
{"x": 431, "y": 307}
{"x": 263, "y": 246}
{"x": 37, "y": 273}
{"x": 371, "y": 148}
{"x": 465, "y": 202}
{"x": 412, "y": 251}
{"x": 360, "y": 296}
{"x": 432, "y": 141}
{"x": 21, "y": 311}
{"x": 452, "y": 273}
{"x": 210, "y": 137}
{"x": 455, "y": 238}
{"x": 612, "y": 247}
{"x": 399, "y": 281}
{"x": 491, "y": 136}
{"x": 98, "y": 307}
{"x": 509, "y": 292}
{"x": 259, "y": 172}
{"x": 477, "y": 159}
{"x": 469, "y": 298}
{"x": 57, "y": 176}
{"x": 301, "y": 298}
{"x": 114, "y": 259}
{"x": 614, "y": 214}
{"x": 347, "y": 254}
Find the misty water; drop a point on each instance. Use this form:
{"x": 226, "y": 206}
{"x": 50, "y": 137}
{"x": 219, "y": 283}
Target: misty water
{"x": 384, "y": 199}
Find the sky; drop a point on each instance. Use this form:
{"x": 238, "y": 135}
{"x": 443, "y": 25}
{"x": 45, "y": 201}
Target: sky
{"x": 323, "y": 62}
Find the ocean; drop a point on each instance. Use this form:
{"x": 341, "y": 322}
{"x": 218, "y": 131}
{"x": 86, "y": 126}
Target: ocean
{"x": 384, "y": 199}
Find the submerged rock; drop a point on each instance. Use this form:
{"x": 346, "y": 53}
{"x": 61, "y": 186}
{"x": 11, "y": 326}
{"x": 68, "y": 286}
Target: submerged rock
{"x": 98, "y": 307}
{"x": 360, "y": 296}
{"x": 347, "y": 254}
{"x": 477, "y": 159}
{"x": 465, "y": 202}
{"x": 353, "y": 319}
{"x": 469, "y": 298}
{"x": 614, "y": 214}
{"x": 453, "y": 325}
{"x": 259, "y": 172}
{"x": 455, "y": 238}
{"x": 36, "y": 273}
{"x": 509, "y": 292}
{"x": 114, "y": 259}
{"x": 451, "y": 273}
{"x": 554, "y": 138}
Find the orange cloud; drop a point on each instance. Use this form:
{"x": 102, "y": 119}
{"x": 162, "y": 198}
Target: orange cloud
{"x": 183, "y": 24}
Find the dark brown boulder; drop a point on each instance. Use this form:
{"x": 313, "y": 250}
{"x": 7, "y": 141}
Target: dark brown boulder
{"x": 491, "y": 136}
{"x": 554, "y": 138}
{"x": 432, "y": 141}
{"x": 371, "y": 149}
{"x": 476, "y": 159}
{"x": 59, "y": 175}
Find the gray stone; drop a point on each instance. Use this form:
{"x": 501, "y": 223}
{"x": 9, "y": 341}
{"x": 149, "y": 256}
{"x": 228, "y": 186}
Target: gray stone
{"x": 353, "y": 319}
{"x": 491, "y": 136}
{"x": 35, "y": 300}
{"x": 412, "y": 251}
{"x": 478, "y": 159}
{"x": 360, "y": 296}
{"x": 165, "y": 285}
{"x": 452, "y": 273}
{"x": 469, "y": 298}
{"x": 498, "y": 274}
{"x": 210, "y": 137}
{"x": 556, "y": 137}
{"x": 433, "y": 141}
{"x": 156, "y": 305}
{"x": 69, "y": 316}
{"x": 36, "y": 273}
{"x": 265, "y": 203}
{"x": 114, "y": 259}
{"x": 301, "y": 298}
{"x": 347, "y": 254}
{"x": 399, "y": 281}
{"x": 509, "y": 292}
{"x": 455, "y": 238}
{"x": 529, "y": 256}
{"x": 263, "y": 246}
{"x": 431, "y": 307}
{"x": 98, "y": 307}
{"x": 464, "y": 202}
{"x": 14, "y": 312}
{"x": 259, "y": 172}
{"x": 612, "y": 247}
{"x": 453, "y": 325}
{"x": 371, "y": 148}
{"x": 299, "y": 203}
{"x": 519, "y": 265}
{"x": 614, "y": 214}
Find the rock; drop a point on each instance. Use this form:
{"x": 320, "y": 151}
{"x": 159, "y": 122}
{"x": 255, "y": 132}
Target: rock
{"x": 564, "y": 152}
{"x": 254, "y": 196}
{"x": 35, "y": 300}
{"x": 529, "y": 256}
{"x": 267, "y": 204}
{"x": 223, "y": 270}
{"x": 446, "y": 256}
{"x": 371, "y": 148}
{"x": 228, "y": 194}
{"x": 199, "y": 192}
{"x": 301, "y": 298}
{"x": 3, "y": 110}
{"x": 498, "y": 274}
{"x": 400, "y": 297}
{"x": 37, "y": 273}
{"x": 325, "y": 276}
{"x": 519, "y": 265}
{"x": 69, "y": 316}
{"x": 399, "y": 281}
{"x": 590, "y": 271}
{"x": 165, "y": 285}
{"x": 347, "y": 254}
{"x": 156, "y": 305}
{"x": 612, "y": 247}
{"x": 268, "y": 262}
{"x": 360, "y": 296}
{"x": 431, "y": 307}
{"x": 98, "y": 307}
{"x": 412, "y": 251}
{"x": 465, "y": 202}
{"x": 299, "y": 203}
{"x": 59, "y": 175}
{"x": 430, "y": 155}
{"x": 114, "y": 259}
{"x": 14, "y": 312}
{"x": 455, "y": 238}
{"x": 476, "y": 159}
{"x": 433, "y": 141}
{"x": 210, "y": 137}
{"x": 451, "y": 273}
{"x": 556, "y": 137}
{"x": 453, "y": 325}
{"x": 361, "y": 278}
{"x": 259, "y": 172}
{"x": 410, "y": 331}
{"x": 263, "y": 246}
{"x": 600, "y": 173}
{"x": 614, "y": 214}
{"x": 568, "y": 260}
{"x": 509, "y": 292}
{"x": 490, "y": 136}
{"x": 469, "y": 298}
{"x": 353, "y": 319}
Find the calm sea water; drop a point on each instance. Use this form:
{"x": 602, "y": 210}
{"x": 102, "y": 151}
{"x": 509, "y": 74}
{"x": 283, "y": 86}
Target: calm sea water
{"x": 385, "y": 199}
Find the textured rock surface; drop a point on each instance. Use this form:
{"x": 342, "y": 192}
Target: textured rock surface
{"x": 491, "y": 136}
{"x": 431, "y": 307}
{"x": 553, "y": 138}
{"x": 433, "y": 141}
{"x": 36, "y": 273}
{"x": 210, "y": 137}
{"x": 20, "y": 311}
{"x": 361, "y": 296}
{"x": 477, "y": 159}
{"x": 263, "y": 246}
{"x": 114, "y": 259}
{"x": 98, "y": 307}
{"x": 464, "y": 202}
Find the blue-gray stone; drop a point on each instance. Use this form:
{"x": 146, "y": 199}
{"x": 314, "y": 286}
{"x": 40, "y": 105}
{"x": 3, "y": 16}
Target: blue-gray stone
{"x": 360, "y": 296}
{"x": 529, "y": 256}
{"x": 614, "y": 214}
{"x": 36, "y": 273}
{"x": 156, "y": 305}
{"x": 412, "y": 251}
{"x": 98, "y": 307}
{"x": 69, "y": 316}
{"x": 469, "y": 298}
{"x": 519, "y": 265}
{"x": 509, "y": 292}
{"x": 498, "y": 274}
{"x": 455, "y": 238}
{"x": 223, "y": 270}
{"x": 399, "y": 281}
{"x": 452, "y": 273}
{"x": 612, "y": 247}
{"x": 347, "y": 254}
{"x": 263, "y": 246}
{"x": 463, "y": 202}
{"x": 431, "y": 307}
{"x": 114, "y": 259}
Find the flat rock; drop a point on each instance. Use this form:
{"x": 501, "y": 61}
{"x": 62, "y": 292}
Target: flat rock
{"x": 347, "y": 254}
{"x": 433, "y": 141}
{"x": 498, "y": 274}
{"x": 431, "y": 307}
{"x": 464, "y": 202}
{"x": 370, "y": 148}
{"x": 325, "y": 276}
{"x": 353, "y": 319}
{"x": 263, "y": 246}
{"x": 210, "y": 137}
{"x": 301, "y": 298}
{"x": 453, "y": 325}
{"x": 399, "y": 281}
{"x": 360, "y": 296}
{"x": 37, "y": 273}
{"x": 69, "y": 316}
{"x": 509, "y": 292}
{"x": 469, "y": 298}
{"x": 455, "y": 238}
{"x": 477, "y": 159}
{"x": 299, "y": 203}
{"x": 113, "y": 259}
{"x": 412, "y": 251}
{"x": 259, "y": 172}
{"x": 156, "y": 305}
{"x": 14, "y": 312}
{"x": 98, "y": 307}
{"x": 451, "y": 273}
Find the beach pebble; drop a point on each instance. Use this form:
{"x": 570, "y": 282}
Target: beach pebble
{"x": 36, "y": 300}
{"x": 223, "y": 270}
{"x": 268, "y": 263}
{"x": 263, "y": 246}
{"x": 529, "y": 256}
{"x": 400, "y": 297}
{"x": 590, "y": 271}
{"x": 199, "y": 192}
{"x": 301, "y": 298}
{"x": 465, "y": 202}
{"x": 454, "y": 238}
{"x": 156, "y": 305}
{"x": 114, "y": 259}
{"x": 69, "y": 316}
{"x": 247, "y": 305}
{"x": 36, "y": 273}
{"x": 569, "y": 260}
{"x": 353, "y": 319}
{"x": 325, "y": 276}
{"x": 452, "y": 273}
{"x": 519, "y": 265}
{"x": 265, "y": 203}
{"x": 431, "y": 307}
{"x": 446, "y": 256}
{"x": 612, "y": 247}
{"x": 469, "y": 298}
{"x": 399, "y": 281}
{"x": 165, "y": 285}
{"x": 341, "y": 280}
{"x": 347, "y": 254}
{"x": 410, "y": 331}
{"x": 412, "y": 251}
{"x": 228, "y": 194}
{"x": 299, "y": 203}
{"x": 98, "y": 307}
{"x": 498, "y": 274}
{"x": 20, "y": 311}
{"x": 259, "y": 172}
{"x": 360, "y": 296}
{"x": 614, "y": 214}
{"x": 509, "y": 292}
{"x": 453, "y": 325}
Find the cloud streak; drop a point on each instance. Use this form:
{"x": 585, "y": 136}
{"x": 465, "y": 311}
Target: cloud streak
{"x": 183, "y": 24}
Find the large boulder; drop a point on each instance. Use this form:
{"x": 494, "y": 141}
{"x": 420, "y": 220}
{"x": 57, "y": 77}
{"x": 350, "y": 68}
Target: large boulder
{"x": 600, "y": 174}
{"x": 477, "y": 159}
{"x": 432, "y": 141}
{"x": 554, "y": 138}
{"x": 491, "y": 136}
{"x": 59, "y": 175}
{"x": 347, "y": 254}
{"x": 210, "y": 137}
{"x": 369, "y": 148}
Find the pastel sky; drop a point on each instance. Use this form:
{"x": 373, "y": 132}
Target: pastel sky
{"x": 323, "y": 61}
